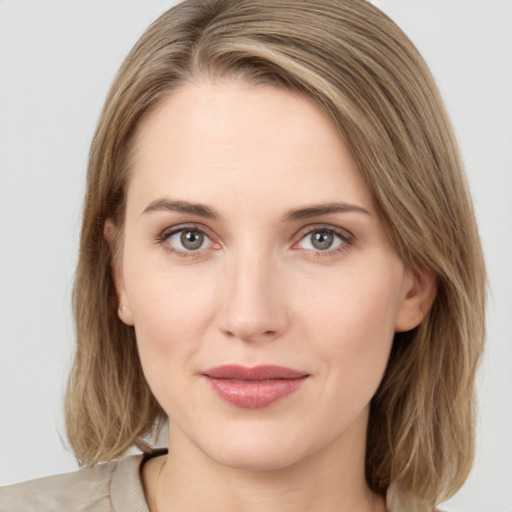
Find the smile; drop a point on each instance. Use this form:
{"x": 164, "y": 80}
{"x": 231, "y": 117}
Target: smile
{"x": 253, "y": 388}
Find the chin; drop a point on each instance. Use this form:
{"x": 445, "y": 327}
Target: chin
{"x": 267, "y": 459}
{"x": 253, "y": 451}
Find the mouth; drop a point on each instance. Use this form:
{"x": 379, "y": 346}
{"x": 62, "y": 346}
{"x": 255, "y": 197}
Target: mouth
{"x": 256, "y": 387}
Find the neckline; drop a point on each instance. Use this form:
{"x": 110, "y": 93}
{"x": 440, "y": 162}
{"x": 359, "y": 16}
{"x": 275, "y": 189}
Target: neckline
{"x": 126, "y": 489}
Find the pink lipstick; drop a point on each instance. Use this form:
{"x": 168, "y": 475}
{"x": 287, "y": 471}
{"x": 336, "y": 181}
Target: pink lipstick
{"x": 254, "y": 388}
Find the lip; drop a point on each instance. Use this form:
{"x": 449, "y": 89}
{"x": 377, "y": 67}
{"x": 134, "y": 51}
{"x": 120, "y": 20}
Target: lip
{"x": 253, "y": 387}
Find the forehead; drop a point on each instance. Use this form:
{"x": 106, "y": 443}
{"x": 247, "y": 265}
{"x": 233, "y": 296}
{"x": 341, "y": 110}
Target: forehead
{"x": 230, "y": 140}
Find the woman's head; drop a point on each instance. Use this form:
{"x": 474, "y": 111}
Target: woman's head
{"x": 353, "y": 63}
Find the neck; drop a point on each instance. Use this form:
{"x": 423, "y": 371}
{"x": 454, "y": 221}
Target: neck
{"x": 332, "y": 479}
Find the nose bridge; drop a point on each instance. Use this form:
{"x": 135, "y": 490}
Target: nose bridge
{"x": 252, "y": 303}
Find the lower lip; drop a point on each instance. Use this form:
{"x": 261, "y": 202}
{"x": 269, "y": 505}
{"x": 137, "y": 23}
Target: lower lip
{"x": 254, "y": 394}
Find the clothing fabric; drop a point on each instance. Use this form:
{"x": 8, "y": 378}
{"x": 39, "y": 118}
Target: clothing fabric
{"x": 116, "y": 487}
{"x": 109, "y": 487}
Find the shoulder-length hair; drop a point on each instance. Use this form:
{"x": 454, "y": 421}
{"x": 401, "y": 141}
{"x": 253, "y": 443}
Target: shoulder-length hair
{"x": 359, "y": 67}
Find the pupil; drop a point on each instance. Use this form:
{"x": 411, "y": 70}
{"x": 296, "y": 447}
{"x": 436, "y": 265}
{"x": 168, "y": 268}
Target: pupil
{"x": 322, "y": 240}
{"x": 192, "y": 240}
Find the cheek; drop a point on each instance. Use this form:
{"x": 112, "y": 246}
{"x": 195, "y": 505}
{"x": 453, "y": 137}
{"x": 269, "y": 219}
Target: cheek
{"x": 164, "y": 298}
{"x": 170, "y": 312}
{"x": 167, "y": 332}
{"x": 353, "y": 323}
{"x": 166, "y": 307}
{"x": 358, "y": 308}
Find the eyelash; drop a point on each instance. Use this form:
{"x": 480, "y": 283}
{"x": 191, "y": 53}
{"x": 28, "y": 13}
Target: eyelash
{"x": 167, "y": 233}
{"x": 347, "y": 240}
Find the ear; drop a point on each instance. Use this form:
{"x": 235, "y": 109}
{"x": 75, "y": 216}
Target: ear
{"x": 124, "y": 311}
{"x": 420, "y": 290}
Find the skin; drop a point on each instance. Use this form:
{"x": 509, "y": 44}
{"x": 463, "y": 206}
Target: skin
{"x": 257, "y": 292}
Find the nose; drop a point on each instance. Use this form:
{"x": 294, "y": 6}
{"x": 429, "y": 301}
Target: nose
{"x": 253, "y": 305}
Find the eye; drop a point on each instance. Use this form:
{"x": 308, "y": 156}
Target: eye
{"x": 322, "y": 239}
{"x": 186, "y": 240}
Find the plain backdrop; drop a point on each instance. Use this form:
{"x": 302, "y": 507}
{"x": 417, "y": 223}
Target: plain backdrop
{"x": 57, "y": 60}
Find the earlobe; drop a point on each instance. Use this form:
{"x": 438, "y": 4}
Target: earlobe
{"x": 124, "y": 312}
{"x": 419, "y": 295}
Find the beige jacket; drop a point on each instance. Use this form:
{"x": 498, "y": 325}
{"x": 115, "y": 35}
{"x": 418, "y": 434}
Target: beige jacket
{"x": 110, "y": 487}
{"x": 113, "y": 487}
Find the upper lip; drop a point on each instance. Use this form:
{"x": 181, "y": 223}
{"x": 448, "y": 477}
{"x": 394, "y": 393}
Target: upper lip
{"x": 255, "y": 373}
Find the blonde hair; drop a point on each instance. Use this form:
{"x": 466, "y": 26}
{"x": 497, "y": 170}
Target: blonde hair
{"x": 358, "y": 66}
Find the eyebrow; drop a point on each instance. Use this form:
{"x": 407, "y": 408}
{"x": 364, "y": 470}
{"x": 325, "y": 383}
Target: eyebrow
{"x": 182, "y": 207}
{"x": 202, "y": 210}
{"x": 323, "y": 209}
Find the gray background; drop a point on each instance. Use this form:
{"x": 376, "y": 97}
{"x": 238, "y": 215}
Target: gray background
{"x": 57, "y": 60}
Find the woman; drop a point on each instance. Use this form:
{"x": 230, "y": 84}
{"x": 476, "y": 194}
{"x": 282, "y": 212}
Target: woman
{"x": 278, "y": 254}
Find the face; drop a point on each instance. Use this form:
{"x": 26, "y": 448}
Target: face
{"x": 260, "y": 281}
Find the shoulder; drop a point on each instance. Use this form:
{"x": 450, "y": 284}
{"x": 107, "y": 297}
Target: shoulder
{"x": 86, "y": 489}
{"x": 110, "y": 487}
